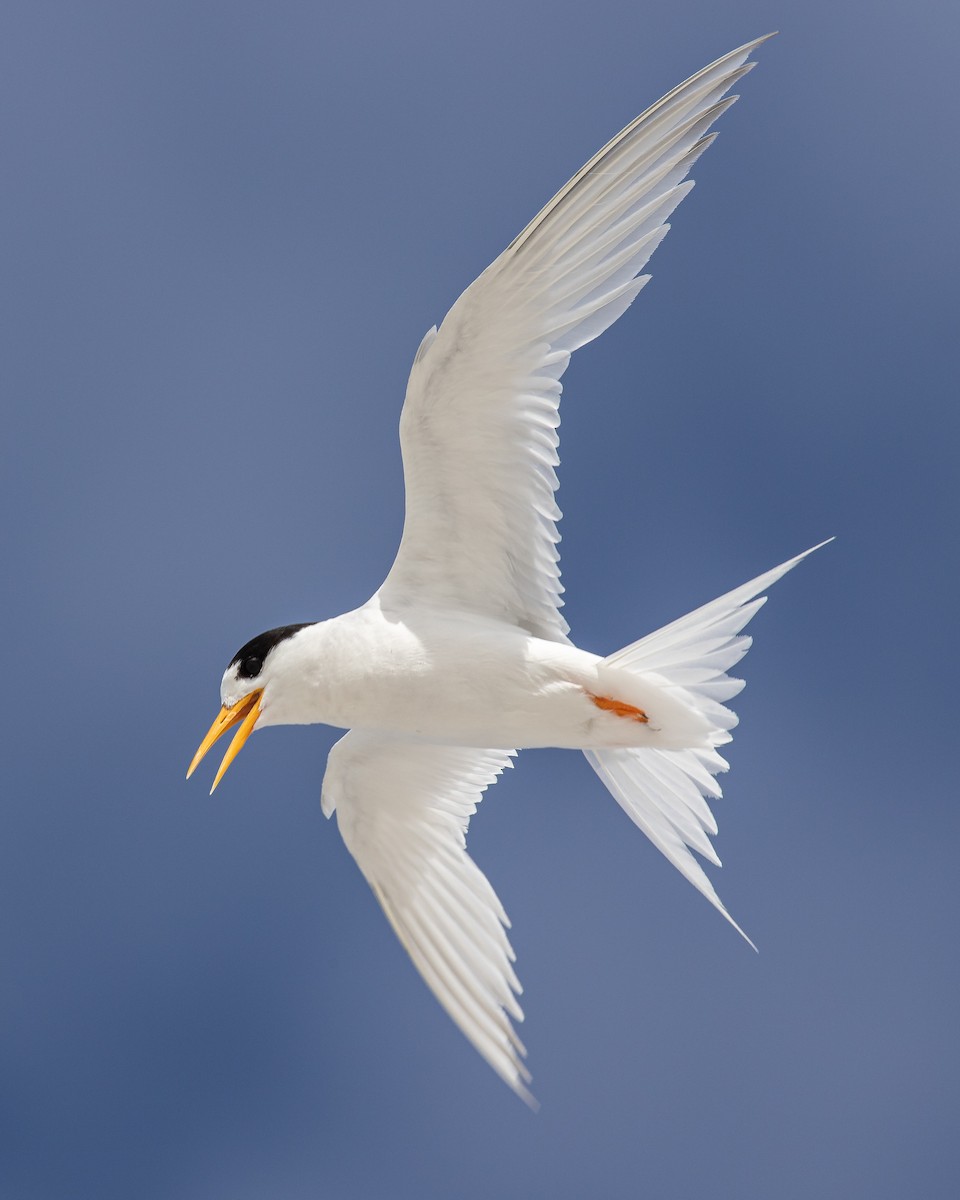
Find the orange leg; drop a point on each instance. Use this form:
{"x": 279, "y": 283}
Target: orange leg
{"x": 619, "y": 709}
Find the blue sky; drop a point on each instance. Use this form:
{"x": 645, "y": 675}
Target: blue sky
{"x": 226, "y": 228}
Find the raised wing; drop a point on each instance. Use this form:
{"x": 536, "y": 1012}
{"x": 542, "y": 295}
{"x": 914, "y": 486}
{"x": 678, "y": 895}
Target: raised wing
{"x": 479, "y": 424}
{"x": 403, "y": 808}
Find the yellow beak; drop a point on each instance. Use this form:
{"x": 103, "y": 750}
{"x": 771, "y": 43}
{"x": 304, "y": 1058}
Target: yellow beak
{"x": 245, "y": 712}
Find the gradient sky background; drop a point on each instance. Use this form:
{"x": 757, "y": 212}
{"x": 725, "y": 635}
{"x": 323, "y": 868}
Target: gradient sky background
{"x": 226, "y": 228}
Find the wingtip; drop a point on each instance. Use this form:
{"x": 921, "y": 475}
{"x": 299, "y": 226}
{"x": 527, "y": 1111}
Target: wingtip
{"x": 749, "y": 47}
{"x": 750, "y": 942}
{"x": 763, "y": 38}
{"x": 818, "y": 546}
{"x": 798, "y": 558}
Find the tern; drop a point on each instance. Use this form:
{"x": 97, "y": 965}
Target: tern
{"x": 462, "y": 657}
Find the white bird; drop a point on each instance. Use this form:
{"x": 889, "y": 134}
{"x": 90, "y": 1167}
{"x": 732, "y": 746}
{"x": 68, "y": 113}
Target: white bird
{"x": 462, "y": 656}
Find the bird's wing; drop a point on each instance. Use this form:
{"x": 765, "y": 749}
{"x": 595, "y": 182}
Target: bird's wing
{"x": 479, "y": 424}
{"x": 403, "y": 807}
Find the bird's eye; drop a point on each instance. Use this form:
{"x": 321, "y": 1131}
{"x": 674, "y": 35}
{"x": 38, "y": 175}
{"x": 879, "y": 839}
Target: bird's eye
{"x": 250, "y": 667}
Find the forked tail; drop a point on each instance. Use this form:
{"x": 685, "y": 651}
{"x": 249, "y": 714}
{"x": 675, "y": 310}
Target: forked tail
{"x": 665, "y": 792}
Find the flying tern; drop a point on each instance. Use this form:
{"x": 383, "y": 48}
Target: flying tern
{"x": 462, "y": 656}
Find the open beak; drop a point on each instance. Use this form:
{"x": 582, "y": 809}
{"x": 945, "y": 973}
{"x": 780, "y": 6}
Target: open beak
{"x": 244, "y": 713}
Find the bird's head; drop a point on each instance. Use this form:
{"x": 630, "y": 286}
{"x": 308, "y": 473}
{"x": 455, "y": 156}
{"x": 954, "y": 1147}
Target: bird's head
{"x": 248, "y": 682}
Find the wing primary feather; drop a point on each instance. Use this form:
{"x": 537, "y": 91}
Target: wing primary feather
{"x": 725, "y": 66}
{"x": 658, "y": 171}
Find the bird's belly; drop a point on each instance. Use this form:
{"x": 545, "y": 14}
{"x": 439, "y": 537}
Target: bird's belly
{"x": 446, "y": 709}
{"x": 458, "y": 682}
{"x": 473, "y": 705}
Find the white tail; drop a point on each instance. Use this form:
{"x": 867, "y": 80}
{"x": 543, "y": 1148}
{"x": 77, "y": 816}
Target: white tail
{"x": 664, "y": 791}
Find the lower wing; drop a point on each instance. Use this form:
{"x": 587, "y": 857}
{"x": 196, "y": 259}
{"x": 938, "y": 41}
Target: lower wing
{"x": 403, "y": 807}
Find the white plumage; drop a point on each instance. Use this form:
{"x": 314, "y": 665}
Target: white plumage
{"x": 478, "y": 431}
{"x": 462, "y": 656}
